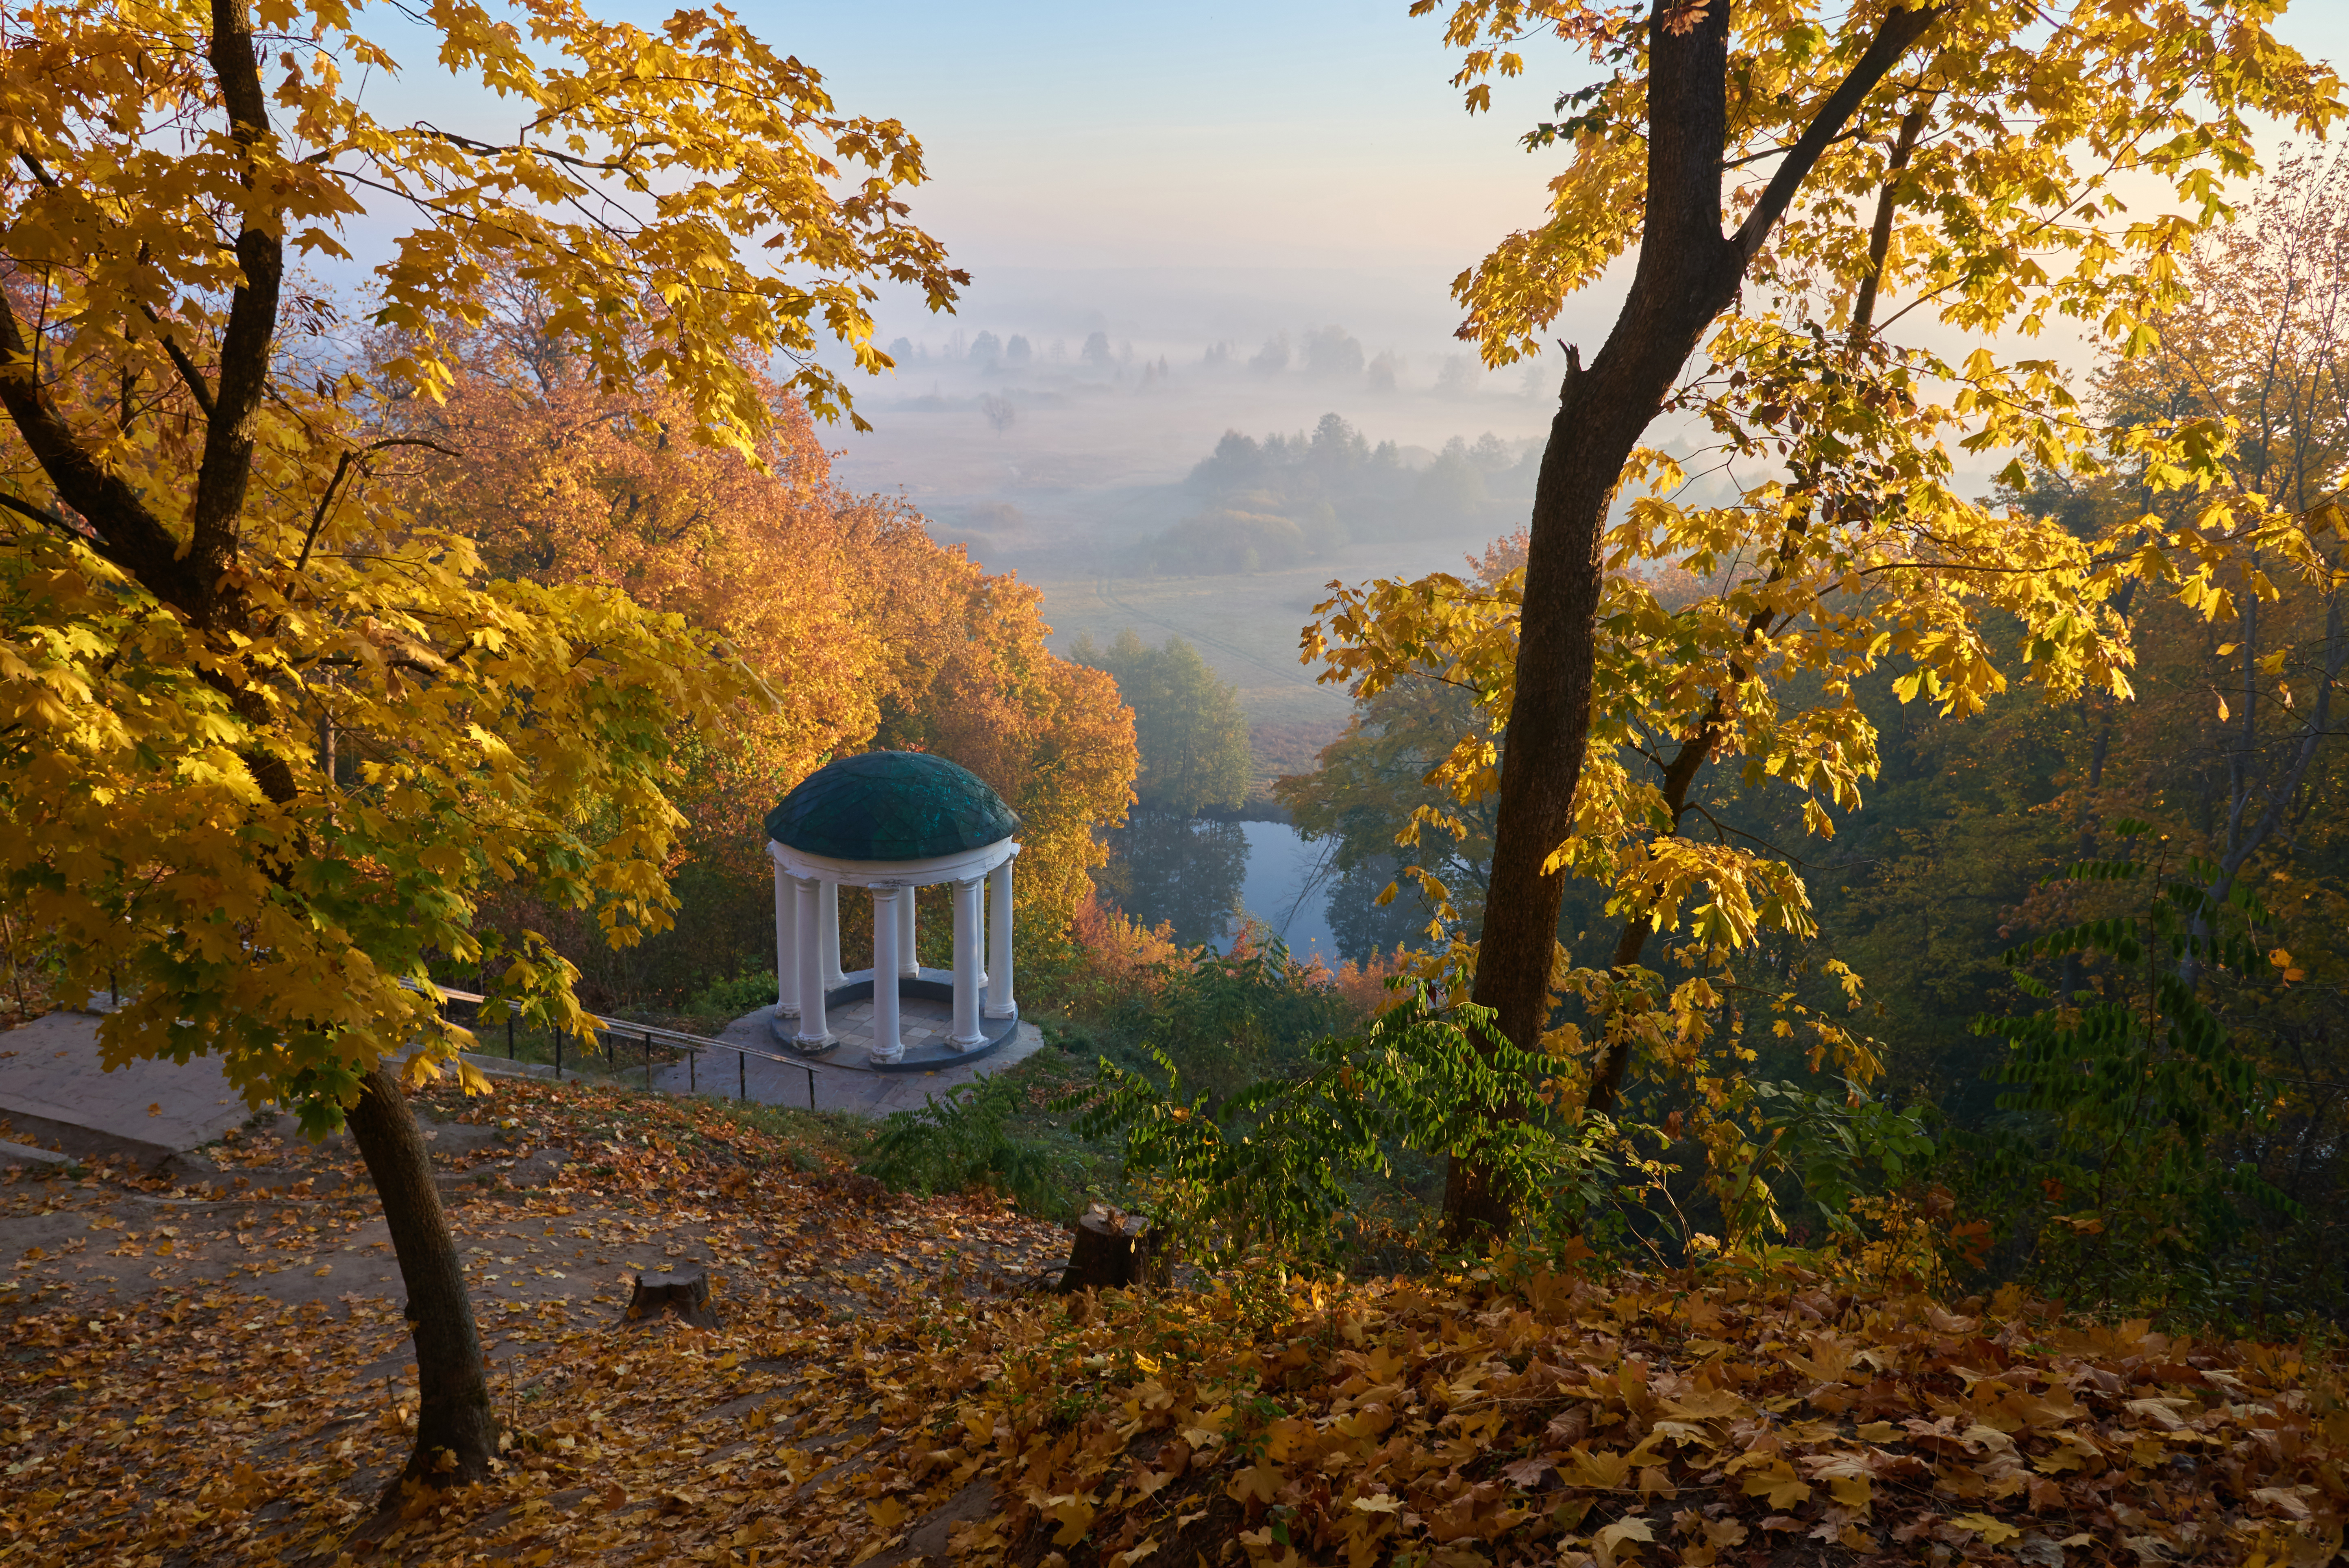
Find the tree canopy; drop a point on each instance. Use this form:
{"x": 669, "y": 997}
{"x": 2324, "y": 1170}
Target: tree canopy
{"x": 271, "y": 734}
{"x": 1797, "y": 182}
{"x": 1187, "y": 722}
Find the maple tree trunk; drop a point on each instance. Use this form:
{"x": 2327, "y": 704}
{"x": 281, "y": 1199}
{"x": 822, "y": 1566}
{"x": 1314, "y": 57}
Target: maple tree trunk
{"x": 1687, "y": 273}
{"x": 1685, "y": 277}
{"x": 456, "y": 1421}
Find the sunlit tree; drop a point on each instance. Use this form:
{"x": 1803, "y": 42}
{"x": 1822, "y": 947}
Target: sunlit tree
{"x": 271, "y": 735}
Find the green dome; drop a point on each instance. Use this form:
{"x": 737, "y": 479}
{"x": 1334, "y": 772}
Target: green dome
{"x": 891, "y": 806}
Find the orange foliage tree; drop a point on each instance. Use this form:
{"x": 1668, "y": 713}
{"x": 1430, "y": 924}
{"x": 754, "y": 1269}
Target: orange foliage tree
{"x": 868, "y": 632}
{"x": 968, "y": 677}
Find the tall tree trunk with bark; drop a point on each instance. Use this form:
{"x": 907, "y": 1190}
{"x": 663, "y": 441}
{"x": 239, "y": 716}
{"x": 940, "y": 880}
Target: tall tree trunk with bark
{"x": 1689, "y": 271}
{"x": 456, "y": 1423}
{"x": 199, "y": 579}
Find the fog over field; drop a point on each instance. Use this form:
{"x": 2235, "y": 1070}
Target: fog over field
{"x": 1094, "y": 448}
{"x": 1056, "y": 422}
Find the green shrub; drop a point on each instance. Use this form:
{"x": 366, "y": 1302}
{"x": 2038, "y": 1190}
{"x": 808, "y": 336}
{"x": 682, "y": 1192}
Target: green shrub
{"x": 1279, "y": 1166}
{"x": 2122, "y": 1094}
{"x": 964, "y": 1140}
{"x": 729, "y": 999}
{"x": 1230, "y": 1020}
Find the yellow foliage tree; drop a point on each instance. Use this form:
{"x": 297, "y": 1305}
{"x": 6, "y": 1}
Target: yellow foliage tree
{"x": 968, "y": 677}
{"x": 1737, "y": 147}
{"x": 269, "y": 736}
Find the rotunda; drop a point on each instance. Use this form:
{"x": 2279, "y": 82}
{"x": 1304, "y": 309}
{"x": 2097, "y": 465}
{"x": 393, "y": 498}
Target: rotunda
{"x": 890, "y": 822}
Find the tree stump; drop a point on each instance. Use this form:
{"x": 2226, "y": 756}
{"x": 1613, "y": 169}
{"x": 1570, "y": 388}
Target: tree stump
{"x": 1114, "y": 1250}
{"x": 684, "y": 1297}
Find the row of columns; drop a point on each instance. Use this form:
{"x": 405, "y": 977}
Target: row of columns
{"x": 807, "y": 955}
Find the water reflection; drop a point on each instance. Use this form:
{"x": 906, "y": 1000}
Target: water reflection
{"x": 1187, "y": 870}
{"x": 1287, "y": 887}
{"x": 1362, "y": 927}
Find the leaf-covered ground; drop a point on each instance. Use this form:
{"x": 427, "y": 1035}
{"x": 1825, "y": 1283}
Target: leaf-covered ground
{"x": 890, "y": 1386}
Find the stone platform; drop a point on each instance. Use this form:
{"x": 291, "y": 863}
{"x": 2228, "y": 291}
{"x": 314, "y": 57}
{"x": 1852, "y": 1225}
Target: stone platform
{"x": 53, "y": 1090}
{"x": 841, "y": 1078}
{"x": 923, "y": 1026}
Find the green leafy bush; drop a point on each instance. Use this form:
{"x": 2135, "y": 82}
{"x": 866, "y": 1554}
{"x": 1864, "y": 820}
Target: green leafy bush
{"x": 729, "y": 999}
{"x": 1277, "y": 1167}
{"x": 1229, "y": 1020}
{"x": 2123, "y": 1091}
{"x": 1841, "y": 1146}
{"x": 965, "y": 1140}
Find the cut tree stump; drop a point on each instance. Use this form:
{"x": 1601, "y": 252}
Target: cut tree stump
{"x": 1114, "y": 1250}
{"x": 685, "y": 1297}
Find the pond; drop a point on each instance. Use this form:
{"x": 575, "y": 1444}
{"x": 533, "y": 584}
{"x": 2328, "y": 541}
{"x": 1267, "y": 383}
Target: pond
{"x": 1198, "y": 874}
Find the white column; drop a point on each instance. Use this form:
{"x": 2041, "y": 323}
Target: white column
{"x": 787, "y": 947}
{"x": 1000, "y": 1003}
{"x": 909, "y": 958}
{"x": 966, "y": 966}
{"x": 813, "y": 1029}
{"x": 828, "y": 939}
{"x": 886, "y": 1044}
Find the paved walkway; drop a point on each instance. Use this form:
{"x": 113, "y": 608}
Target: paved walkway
{"x": 840, "y": 1081}
{"x": 53, "y": 1090}
{"x": 53, "y": 1093}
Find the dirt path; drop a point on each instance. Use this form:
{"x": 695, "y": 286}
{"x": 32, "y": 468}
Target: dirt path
{"x": 205, "y": 1360}
{"x": 295, "y": 1224}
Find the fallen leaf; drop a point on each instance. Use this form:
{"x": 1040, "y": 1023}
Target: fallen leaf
{"x": 1633, "y": 1528}
{"x": 1996, "y": 1532}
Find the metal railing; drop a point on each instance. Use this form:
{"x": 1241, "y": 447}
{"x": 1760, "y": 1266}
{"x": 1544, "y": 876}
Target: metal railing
{"x": 617, "y": 1030}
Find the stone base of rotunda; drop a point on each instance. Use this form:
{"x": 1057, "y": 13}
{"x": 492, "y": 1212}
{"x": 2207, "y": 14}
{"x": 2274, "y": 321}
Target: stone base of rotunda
{"x": 925, "y": 1023}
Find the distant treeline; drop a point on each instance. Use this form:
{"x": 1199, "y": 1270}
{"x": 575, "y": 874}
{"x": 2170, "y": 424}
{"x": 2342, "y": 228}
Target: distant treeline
{"x": 1288, "y": 501}
{"x": 1328, "y": 354}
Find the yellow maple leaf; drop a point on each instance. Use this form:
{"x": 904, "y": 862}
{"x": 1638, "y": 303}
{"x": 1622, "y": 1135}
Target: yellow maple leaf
{"x": 1258, "y": 1482}
{"x": 1779, "y": 1484}
{"x": 1705, "y": 1405}
{"x": 1995, "y": 1532}
{"x": 1632, "y": 1529}
{"x": 1603, "y": 1469}
{"x": 1075, "y": 1515}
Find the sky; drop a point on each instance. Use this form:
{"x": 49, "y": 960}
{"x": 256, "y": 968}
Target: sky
{"x": 1311, "y": 137}
{"x": 1233, "y": 155}
{"x": 1232, "y": 165}
{"x": 1298, "y": 135}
